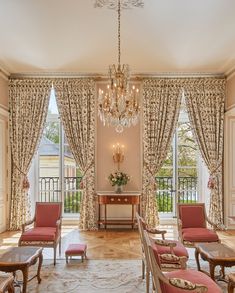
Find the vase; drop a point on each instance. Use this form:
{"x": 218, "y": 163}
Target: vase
{"x": 118, "y": 188}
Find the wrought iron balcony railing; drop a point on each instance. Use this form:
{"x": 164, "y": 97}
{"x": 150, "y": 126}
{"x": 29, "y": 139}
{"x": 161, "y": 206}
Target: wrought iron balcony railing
{"x": 50, "y": 190}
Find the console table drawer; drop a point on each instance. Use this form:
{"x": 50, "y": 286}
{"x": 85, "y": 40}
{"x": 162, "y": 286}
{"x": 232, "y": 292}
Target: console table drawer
{"x": 125, "y": 199}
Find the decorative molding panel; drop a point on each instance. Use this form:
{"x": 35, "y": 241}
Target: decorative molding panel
{"x": 229, "y": 168}
{"x": 3, "y": 174}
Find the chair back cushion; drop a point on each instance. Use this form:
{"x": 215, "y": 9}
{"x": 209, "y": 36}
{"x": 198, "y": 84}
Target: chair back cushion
{"x": 192, "y": 215}
{"x": 47, "y": 214}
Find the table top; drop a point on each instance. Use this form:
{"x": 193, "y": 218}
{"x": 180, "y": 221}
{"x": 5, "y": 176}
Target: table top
{"x": 19, "y": 255}
{"x": 125, "y": 193}
{"x": 216, "y": 251}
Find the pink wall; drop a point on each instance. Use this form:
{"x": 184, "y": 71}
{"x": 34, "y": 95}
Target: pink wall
{"x": 230, "y": 100}
{"x": 131, "y": 139}
{"x": 3, "y": 93}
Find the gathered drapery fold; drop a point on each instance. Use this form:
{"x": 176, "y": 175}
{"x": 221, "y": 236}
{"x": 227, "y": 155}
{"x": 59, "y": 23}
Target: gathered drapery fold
{"x": 76, "y": 103}
{"x": 161, "y": 104}
{"x": 28, "y": 104}
{"x": 205, "y": 98}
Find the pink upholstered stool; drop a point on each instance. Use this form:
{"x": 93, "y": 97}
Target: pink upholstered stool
{"x": 76, "y": 249}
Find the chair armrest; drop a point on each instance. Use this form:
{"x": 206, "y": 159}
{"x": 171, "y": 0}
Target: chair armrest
{"x": 27, "y": 224}
{"x": 171, "y": 258}
{"x": 187, "y": 285}
{"x": 166, "y": 243}
{"x": 156, "y": 231}
{"x": 179, "y": 223}
{"x": 215, "y": 226}
{"x": 58, "y": 225}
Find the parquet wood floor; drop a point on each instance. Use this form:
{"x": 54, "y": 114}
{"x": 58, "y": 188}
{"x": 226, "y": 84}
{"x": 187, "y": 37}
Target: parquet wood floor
{"x": 105, "y": 244}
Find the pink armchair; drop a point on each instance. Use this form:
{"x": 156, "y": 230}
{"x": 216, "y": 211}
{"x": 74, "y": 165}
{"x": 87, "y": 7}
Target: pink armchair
{"x": 192, "y": 225}
{"x": 179, "y": 281}
{"x": 46, "y": 230}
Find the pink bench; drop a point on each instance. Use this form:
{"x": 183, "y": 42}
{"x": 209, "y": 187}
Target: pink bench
{"x": 75, "y": 250}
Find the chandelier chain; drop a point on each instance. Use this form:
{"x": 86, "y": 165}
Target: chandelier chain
{"x": 119, "y": 33}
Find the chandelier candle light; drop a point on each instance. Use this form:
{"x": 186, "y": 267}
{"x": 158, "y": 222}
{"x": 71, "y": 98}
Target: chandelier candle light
{"x": 118, "y": 154}
{"x": 119, "y": 105}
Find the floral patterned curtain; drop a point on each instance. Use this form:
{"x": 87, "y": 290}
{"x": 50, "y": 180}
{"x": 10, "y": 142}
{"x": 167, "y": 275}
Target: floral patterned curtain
{"x": 161, "y": 104}
{"x": 28, "y": 103}
{"x": 205, "y": 98}
{"x": 76, "y": 103}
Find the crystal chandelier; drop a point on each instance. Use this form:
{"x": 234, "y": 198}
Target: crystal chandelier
{"x": 119, "y": 105}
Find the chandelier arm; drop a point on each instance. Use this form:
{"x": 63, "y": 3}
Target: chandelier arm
{"x": 119, "y": 33}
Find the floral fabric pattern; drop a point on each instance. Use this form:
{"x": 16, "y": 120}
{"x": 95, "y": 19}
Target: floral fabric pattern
{"x": 205, "y": 98}
{"x": 76, "y": 103}
{"x": 161, "y": 104}
{"x": 28, "y": 103}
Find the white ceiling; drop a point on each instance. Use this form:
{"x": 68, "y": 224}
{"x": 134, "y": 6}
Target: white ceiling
{"x": 71, "y": 36}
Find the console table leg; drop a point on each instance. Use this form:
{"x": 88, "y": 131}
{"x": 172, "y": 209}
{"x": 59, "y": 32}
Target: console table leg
{"x": 105, "y": 216}
{"x": 132, "y": 218}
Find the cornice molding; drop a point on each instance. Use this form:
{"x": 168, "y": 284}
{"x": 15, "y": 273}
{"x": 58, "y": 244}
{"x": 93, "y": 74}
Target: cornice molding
{"x": 101, "y": 76}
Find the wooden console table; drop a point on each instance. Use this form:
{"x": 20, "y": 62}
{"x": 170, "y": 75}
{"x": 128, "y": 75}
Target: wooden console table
{"x": 126, "y": 198}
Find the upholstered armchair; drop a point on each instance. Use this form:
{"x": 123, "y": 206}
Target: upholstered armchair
{"x": 162, "y": 248}
{"x": 46, "y": 230}
{"x": 182, "y": 280}
{"x": 192, "y": 225}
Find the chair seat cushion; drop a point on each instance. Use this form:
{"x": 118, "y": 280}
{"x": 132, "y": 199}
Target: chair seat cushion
{"x": 192, "y": 276}
{"x": 39, "y": 234}
{"x": 76, "y": 249}
{"x": 179, "y": 249}
{"x": 199, "y": 235}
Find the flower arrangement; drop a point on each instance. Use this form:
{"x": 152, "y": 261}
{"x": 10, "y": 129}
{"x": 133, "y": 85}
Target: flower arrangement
{"x": 118, "y": 178}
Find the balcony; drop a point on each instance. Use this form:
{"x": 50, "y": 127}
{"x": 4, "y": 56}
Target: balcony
{"x": 50, "y": 190}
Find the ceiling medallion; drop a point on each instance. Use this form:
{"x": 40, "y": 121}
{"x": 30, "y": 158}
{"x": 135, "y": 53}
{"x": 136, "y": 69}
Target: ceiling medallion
{"x": 119, "y": 105}
{"x": 113, "y": 4}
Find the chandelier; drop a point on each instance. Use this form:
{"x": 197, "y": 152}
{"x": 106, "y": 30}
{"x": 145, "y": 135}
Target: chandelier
{"x": 119, "y": 105}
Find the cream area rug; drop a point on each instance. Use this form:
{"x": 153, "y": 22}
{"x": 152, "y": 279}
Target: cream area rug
{"x": 94, "y": 276}
{"x": 91, "y": 276}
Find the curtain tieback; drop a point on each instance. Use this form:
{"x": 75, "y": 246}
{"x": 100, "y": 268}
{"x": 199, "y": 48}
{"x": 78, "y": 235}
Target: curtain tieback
{"x": 25, "y": 181}
{"x": 81, "y": 185}
{"x": 212, "y": 179}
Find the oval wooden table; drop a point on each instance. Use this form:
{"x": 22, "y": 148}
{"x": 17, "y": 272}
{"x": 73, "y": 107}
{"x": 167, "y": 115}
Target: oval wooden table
{"x": 217, "y": 254}
{"x": 20, "y": 259}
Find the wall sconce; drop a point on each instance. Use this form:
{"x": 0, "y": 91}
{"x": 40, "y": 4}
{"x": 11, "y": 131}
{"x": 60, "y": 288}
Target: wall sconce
{"x": 118, "y": 154}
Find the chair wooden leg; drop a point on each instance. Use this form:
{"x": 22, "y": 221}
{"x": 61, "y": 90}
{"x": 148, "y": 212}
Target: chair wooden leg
{"x": 147, "y": 280}
{"x": 60, "y": 247}
{"x": 143, "y": 269}
{"x": 54, "y": 255}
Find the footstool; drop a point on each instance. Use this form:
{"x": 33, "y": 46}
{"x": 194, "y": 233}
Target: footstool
{"x": 231, "y": 283}
{"x": 76, "y": 250}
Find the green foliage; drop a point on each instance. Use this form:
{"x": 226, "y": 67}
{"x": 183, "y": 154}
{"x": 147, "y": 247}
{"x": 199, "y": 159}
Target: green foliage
{"x": 51, "y": 131}
{"x": 72, "y": 202}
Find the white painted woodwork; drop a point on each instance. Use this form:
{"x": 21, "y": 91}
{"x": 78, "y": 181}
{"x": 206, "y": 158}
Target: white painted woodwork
{"x": 229, "y": 168}
{"x": 3, "y": 174}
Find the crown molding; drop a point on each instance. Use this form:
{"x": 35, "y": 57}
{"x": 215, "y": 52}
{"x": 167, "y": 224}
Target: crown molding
{"x": 101, "y": 76}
